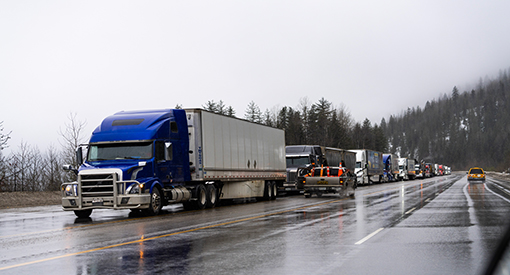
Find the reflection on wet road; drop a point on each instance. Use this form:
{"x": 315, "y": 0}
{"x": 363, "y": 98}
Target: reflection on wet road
{"x": 432, "y": 226}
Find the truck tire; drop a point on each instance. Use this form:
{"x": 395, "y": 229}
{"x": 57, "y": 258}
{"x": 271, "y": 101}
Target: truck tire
{"x": 267, "y": 191}
{"x": 212, "y": 196}
{"x": 201, "y": 194}
{"x": 83, "y": 214}
{"x": 155, "y": 204}
{"x": 274, "y": 191}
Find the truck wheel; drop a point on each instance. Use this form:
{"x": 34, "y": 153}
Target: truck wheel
{"x": 267, "y": 191}
{"x": 274, "y": 191}
{"x": 201, "y": 196}
{"x": 212, "y": 196}
{"x": 156, "y": 203}
{"x": 82, "y": 214}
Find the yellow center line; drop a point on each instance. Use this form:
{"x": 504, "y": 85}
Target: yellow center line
{"x": 166, "y": 235}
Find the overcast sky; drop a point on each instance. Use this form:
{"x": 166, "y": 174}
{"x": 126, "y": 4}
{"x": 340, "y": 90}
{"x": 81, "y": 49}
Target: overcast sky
{"x": 376, "y": 58}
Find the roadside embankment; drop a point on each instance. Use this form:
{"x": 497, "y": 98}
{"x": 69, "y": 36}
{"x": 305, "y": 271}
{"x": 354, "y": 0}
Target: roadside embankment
{"x": 29, "y": 199}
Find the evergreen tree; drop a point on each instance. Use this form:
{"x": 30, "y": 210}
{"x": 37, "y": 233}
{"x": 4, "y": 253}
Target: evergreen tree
{"x": 253, "y": 113}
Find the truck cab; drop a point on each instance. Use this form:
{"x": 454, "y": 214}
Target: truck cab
{"x": 300, "y": 158}
{"x": 131, "y": 157}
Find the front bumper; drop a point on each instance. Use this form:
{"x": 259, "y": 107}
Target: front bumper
{"x": 134, "y": 201}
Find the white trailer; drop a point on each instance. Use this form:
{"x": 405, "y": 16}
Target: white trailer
{"x": 246, "y": 157}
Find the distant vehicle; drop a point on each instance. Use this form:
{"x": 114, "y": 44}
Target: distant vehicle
{"x": 369, "y": 166}
{"x": 476, "y": 173}
{"x": 300, "y": 157}
{"x": 330, "y": 180}
{"x": 143, "y": 160}
{"x": 441, "y": 169}
{"x": 406, "y": 169}
{"x": 448, "y": 170}
{"x": 419, "y": 168}
{"x": 436, "y": 170}
{"x": 429, "y": 170}
{"x": 390, "y": 166}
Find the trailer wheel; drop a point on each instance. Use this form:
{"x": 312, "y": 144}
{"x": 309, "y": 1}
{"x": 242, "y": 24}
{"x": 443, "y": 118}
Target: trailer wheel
{"x": 82, "y": 214}
{"x": 201, "y": 196}
{"x": 156, "y": 203}
{"x": 267, "y": 191}
{"x": 274, "y": 191}
{"x": 212, "y": 196}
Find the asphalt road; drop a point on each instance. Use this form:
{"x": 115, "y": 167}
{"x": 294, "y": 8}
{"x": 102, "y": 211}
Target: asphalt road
{"x": 442, "y": 225}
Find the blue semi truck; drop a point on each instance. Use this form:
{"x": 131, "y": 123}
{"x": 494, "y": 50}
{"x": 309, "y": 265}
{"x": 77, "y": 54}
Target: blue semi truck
{"x": 144, "y": 160}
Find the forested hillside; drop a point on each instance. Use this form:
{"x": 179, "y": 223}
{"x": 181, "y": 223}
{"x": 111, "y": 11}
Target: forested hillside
{"x": 462, "y": 129}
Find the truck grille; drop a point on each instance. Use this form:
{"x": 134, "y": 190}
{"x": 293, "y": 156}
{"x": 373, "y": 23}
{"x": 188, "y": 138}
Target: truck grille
{"x": 291, "y": 176}
{"x": 98, "y": 185}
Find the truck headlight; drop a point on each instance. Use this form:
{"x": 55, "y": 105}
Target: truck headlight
{"x": 134, "y": 188}
{"x": 71, "y": 190}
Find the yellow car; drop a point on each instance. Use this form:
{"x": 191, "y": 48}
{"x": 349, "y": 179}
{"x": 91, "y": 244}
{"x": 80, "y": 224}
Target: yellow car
{"x": 476, "y": 173}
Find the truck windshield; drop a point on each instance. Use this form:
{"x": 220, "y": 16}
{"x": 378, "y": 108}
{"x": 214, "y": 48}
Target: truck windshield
{"x": 138, "y": 150}
{"x": 297, "y": 162}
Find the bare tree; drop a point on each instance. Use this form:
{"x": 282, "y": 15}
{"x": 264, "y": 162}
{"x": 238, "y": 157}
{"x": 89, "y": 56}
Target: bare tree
{"x": 72, "y": 137}
{"x": 20, "y": 163}
{"x": 4, "y": 172}
{"x": 35, "y": 170}
{"x": 3, "y": 137}
{"x": 53, "y": 174}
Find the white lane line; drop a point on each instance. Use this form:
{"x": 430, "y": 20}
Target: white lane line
{"x": 410, "y": 210}
{"x": 370, "y": 236}
{"x": 500, "y": 188}
{"x": 486, "y": 187}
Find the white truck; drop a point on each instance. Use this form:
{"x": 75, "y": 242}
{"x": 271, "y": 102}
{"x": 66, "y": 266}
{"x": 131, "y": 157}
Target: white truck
{"x": 406, "y": 169}
{"x": 369, "y": 166}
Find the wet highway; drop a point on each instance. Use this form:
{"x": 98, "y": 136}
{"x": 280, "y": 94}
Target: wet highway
{"x": 441, "y": 225}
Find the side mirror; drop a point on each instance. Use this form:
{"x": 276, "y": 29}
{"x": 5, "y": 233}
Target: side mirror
{"x": 68, "y": 167}
{"x": 79, "y": 156}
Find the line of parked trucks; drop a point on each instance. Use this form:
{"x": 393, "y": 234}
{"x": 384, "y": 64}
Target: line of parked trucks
{"x": 144, "y": 160}
{"x": 369, "y": 167}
